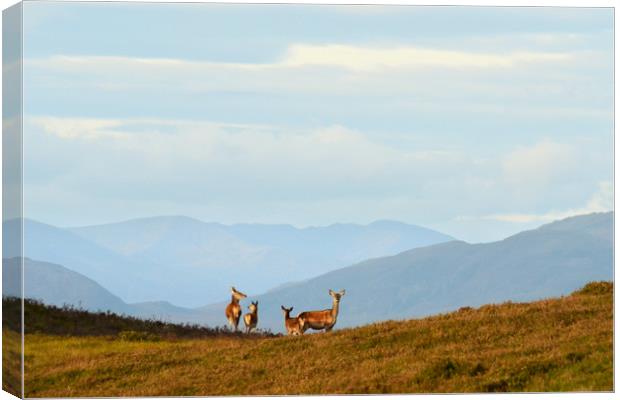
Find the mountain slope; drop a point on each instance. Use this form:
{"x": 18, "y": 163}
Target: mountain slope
{"x": 183, "y": 239}
{"x": 563, "y": 344}
{"x": 56, "y": 285}
{"x": 129, "y": 279}
{"x": 208, "y": 257}
{"x": 191, "y": 263}
{"x": 553, "y": 260}
{"x": 53, "y": 284}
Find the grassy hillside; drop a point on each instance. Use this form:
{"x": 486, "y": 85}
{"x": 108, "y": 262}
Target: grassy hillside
{"x": 560, "y": 344}
{"x": 71, "y": 321}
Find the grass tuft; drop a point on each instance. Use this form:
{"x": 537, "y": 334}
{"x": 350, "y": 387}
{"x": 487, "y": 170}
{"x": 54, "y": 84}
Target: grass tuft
{"x": 596, "y": 288}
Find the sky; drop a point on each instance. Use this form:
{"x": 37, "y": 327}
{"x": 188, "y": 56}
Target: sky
{"x": 476, "y": 121}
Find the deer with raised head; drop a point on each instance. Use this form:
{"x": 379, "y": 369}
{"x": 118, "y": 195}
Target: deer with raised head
{"x": 324, "y": 319}
{"x": 294, "y": 326}
{"x": 233, "y": 310}
{"x": 251, "y": 318}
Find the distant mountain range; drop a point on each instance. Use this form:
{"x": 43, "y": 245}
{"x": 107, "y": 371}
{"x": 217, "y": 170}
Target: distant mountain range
{"x": 56, "y": 285}
{"x": 552, "y": 260}
{"x": 189, "y": 262}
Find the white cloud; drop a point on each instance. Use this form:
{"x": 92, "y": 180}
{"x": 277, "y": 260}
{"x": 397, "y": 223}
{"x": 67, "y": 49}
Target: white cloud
{"x": 86, "y": 128}
{"x": 221, "y": 154}
{"x": 368, "y": 58}
{"x": 309, "y": 69}
{"x": 538, "y": 165}
{"x": 336, "y": 77}
{"x": 241, "y": 172}
{"x": 329, "y": 55}
{"x": 600, "y": 201}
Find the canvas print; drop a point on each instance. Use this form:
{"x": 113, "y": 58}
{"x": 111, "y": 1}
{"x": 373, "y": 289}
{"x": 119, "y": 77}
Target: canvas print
{"x": 204, "y": 199}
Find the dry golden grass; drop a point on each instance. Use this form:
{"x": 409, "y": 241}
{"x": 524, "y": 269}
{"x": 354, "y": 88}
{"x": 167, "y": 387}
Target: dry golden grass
{"x": 552, "y": 345}
{"x": 11, "y": 362}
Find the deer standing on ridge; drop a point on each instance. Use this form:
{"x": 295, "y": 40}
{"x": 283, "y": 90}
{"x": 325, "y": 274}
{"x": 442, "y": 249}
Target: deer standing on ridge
{"x": 325, "y": 319}
{"x": 233, "y": 310}
{"x": 294, "y": 326}
{"x": 251, "y": 318}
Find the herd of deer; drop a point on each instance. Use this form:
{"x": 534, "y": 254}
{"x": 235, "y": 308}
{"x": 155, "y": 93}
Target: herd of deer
{"x": 318, "y": 320}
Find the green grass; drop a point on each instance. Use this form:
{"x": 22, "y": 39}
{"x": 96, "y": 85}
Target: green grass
{"x": 560, "y": 344}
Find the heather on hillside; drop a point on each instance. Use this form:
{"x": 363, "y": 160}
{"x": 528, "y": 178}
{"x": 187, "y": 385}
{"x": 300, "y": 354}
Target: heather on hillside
{"x": 73, "y": 321}
{"x": 561, "y": 344}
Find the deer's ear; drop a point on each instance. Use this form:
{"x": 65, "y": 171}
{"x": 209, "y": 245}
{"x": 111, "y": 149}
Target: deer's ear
{"x": 283, "y": 309}
{"x": 342, "y": 292}
{"x": 331, "y": 292}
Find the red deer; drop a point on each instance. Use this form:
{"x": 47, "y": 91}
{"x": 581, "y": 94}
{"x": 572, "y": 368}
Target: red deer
{"x": 251, "y": 318}
{"x": 294, "y": 326}
{"x": 233, "y": 310}
{"x": 325, "y": 319}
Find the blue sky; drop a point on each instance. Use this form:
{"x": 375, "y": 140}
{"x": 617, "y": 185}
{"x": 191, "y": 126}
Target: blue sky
{"x": 476, "y": 121}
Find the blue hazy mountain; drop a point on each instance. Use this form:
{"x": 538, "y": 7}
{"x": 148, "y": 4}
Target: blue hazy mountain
{"x": 129, "y": 279}
{"x": 304, "y": 252}
{"x": 56, "y": 285}
{"x": 553, "y": 260}
{"x": 211, "y": 257}
{"x": 191, "y": 263}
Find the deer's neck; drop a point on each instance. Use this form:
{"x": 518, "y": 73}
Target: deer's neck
{"x": 335, "y": 308}
{"x": 234, "y": 300}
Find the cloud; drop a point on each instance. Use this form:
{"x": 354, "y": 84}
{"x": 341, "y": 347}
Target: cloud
{"x": 85, "y": 128}
{"x": 335, "y": 81}
{"x": 231, "y": 157}
{"x": 600, "y": 201}
{"x": 267, "y": 173}
{"x": 538, "y": 165}
{"x": 368, "y": 58}
{"x": 328, "y": 55}
{"x": 309, "y": 69}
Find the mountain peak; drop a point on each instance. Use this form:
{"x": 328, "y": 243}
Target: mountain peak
{"x": 600, "y": 224}
{"x": 388, "y": 222}
{"x": 580, "y": 220}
